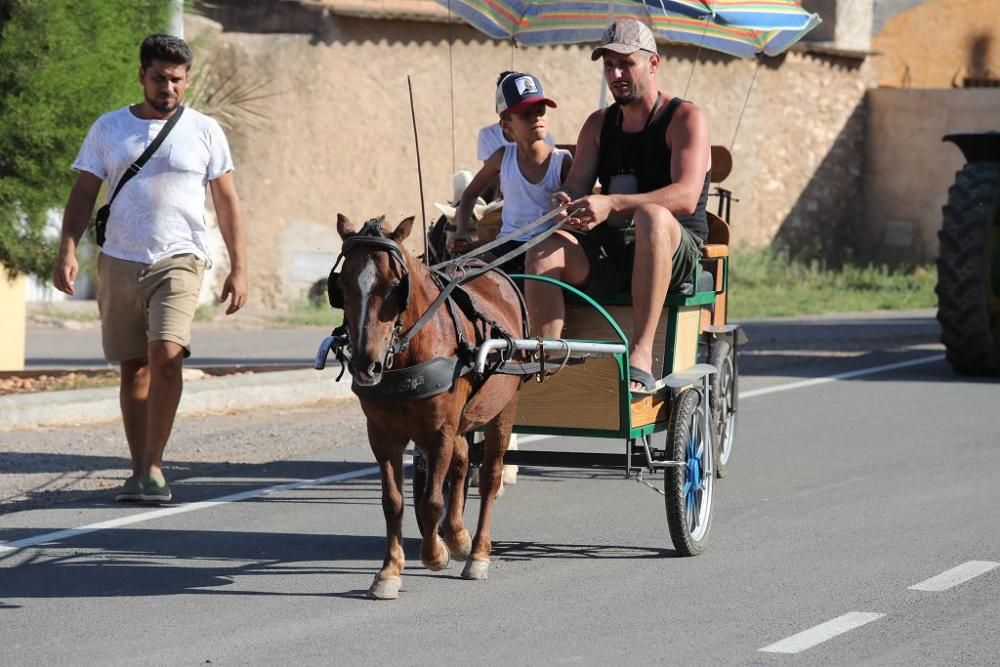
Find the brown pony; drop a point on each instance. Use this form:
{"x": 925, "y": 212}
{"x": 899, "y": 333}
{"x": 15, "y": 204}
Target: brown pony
{"x": 385, "y": 291}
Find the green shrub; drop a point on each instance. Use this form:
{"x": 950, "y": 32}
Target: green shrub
{"x": 65, "y": 62}
{"x": 768, "y": 283}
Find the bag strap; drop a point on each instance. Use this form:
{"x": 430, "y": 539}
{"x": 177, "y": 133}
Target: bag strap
{"x": 141, "y": 161}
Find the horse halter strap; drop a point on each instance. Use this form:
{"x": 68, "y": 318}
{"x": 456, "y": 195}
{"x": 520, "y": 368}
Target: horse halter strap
{"x": 378, "y": 243}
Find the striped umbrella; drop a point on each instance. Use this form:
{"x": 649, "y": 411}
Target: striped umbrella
{"x": 738, "y": 27}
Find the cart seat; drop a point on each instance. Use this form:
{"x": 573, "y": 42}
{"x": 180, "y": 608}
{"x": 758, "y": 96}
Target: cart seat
{"x": 717, "y": 244}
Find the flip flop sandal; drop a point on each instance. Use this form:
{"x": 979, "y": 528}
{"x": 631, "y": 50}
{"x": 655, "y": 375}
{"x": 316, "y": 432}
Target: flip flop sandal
{"x": 645, "y": 378}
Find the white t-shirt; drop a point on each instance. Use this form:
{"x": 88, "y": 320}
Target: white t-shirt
{"x": 524, "y": 201}
{"x": 491, "y": 139}
{"x": 161, "y": 210}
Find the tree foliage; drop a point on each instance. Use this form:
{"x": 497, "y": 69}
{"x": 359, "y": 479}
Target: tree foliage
{"x": 65, "y": 62}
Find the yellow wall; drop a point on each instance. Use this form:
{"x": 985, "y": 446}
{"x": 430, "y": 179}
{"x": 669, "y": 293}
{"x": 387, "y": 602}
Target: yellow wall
{"x": 12, "y": 322}
{"x": 908, "y": 169}
{"x": 932, "y": 45}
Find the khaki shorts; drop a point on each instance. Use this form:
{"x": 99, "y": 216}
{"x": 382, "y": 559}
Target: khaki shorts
{"x": 145, "y": 302}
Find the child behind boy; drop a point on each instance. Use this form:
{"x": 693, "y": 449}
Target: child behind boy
{"x": 530, "y": 169}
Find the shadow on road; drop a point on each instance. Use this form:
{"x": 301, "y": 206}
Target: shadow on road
{"x": 67, "y": 470}
{"x": 151, "y": 563}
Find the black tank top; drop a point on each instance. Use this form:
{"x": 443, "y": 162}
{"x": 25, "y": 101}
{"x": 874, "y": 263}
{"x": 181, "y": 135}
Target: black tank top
{"x": 646, "y": 155}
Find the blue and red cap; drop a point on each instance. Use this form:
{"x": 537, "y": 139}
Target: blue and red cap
{"x": 518, "y": 91}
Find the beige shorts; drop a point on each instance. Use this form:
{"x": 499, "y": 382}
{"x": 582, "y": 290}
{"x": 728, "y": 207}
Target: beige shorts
{"x": 145, "y": 302}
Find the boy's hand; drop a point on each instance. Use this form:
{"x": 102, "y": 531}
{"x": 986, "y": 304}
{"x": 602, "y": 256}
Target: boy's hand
{"x": 460, "y": 241}
{"x": 561, "y": 199}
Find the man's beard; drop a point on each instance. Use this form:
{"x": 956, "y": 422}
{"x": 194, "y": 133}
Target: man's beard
{"x": 162, "y": 107}
{"x": 627, "y": 98}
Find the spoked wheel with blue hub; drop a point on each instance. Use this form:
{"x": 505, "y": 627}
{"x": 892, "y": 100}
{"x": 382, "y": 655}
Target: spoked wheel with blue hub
{"x": 688, "y": 487}
{"x": 724, "y": 393}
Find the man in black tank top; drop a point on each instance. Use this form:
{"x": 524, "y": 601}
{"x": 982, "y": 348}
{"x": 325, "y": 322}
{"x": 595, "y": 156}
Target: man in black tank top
{"x": 645, "y": 228}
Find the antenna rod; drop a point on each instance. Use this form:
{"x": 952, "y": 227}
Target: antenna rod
{"x": 420, "y": 174}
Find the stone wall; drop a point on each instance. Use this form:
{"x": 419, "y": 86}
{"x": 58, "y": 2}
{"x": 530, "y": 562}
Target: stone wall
{"x": 909, "y": 169}
{"x": 338, "y": 137}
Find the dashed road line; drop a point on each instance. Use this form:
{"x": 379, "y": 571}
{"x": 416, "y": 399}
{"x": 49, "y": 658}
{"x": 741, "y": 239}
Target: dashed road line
{"x": 955, "y": 576}
{"x": 823, "y": 632}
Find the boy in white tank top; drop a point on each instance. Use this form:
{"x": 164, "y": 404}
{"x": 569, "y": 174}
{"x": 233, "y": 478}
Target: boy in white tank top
{"x": 530, "y": 169}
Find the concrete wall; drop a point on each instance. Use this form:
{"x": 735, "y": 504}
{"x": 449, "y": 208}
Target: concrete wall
{"x": 909, "y": 169}
{"x": 338, "y": 137}
{"x": 12, "y": 331}
{"x": 847, "y": 24}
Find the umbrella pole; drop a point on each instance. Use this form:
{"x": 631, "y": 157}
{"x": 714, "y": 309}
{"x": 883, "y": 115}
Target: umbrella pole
{"x": 739, "y": 120}
{"x": 420, "y": 174}
{"x": 451, "y": 85}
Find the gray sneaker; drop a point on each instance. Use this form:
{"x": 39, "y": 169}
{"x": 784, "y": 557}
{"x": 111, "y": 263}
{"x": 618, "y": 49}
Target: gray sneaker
{"x": 131, "y": 490}
{"x": 155, "y": 489}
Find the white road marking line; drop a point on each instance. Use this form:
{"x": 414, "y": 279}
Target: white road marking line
{"x": 10, "y": 547}
{"x": 521, "y": 439}
{"x": 955, "y": 576}
{"x": 822, "y": 632}
{"x": 840, "y": 376}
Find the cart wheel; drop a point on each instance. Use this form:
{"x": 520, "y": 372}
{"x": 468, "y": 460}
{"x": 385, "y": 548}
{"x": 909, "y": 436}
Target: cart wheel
{"x": 419, "y": 482}
{"x": 688, "y": 488}
{"x": 723, "y": 398}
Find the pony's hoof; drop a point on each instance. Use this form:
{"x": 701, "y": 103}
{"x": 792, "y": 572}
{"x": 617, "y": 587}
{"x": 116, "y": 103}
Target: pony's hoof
{"x": 476, "y": 569}
{"x": 442, "y": 560}
{"x": 462, "y": 551}
{"x": 385, "y": 589}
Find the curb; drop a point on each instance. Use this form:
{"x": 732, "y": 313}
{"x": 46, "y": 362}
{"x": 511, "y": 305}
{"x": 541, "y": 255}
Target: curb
{"x": 211, "y": 394}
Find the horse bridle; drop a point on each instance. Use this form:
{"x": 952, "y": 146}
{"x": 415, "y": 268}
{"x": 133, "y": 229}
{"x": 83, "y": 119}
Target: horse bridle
{"x": 379, "y": 243}
{"x": 370, "y": 236}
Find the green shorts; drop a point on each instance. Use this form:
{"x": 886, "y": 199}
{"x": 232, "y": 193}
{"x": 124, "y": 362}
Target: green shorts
{"x": 611, "y": 253}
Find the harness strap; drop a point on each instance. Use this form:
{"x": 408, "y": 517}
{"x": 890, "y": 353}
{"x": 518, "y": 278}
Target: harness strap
{"x": 423, "y": 380}
{"x": 507, "y": 237}
{"x": 405, "y": 339}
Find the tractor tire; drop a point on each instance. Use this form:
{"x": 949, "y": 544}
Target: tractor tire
{"x": 968, "y": 267}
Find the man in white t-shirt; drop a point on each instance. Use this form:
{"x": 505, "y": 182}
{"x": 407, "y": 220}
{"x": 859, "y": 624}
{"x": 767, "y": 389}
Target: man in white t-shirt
{"x": 155, "y": 253}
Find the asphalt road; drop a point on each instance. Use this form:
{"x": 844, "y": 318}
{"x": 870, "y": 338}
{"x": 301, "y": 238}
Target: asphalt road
{"x": 863, "y": 467}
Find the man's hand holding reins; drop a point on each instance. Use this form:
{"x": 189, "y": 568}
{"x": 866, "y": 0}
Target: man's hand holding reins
{"x": 585, "y": 213}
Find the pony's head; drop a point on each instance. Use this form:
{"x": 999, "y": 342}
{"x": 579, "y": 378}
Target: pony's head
{"x": 374, "y": 288}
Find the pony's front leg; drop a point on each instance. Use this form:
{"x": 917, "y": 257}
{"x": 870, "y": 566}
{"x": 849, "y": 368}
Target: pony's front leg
{"x": 457, "y": 538}
{"x": 389, "y": 578}
{"x": 437, "y": 450}
{"x": 498, "y": 431}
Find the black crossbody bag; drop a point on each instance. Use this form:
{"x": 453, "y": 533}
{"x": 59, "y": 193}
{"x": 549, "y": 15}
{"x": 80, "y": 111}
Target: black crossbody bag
{"x": 101, "y": 219}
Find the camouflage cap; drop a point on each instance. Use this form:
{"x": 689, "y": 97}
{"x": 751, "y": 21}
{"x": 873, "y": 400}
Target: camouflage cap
{"x": 626, "y": 36}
